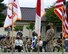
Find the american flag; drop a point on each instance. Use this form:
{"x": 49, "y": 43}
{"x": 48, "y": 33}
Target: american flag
{"x": 58, "y": 8}
{"x": 60, "y": 11}
{"x": 65, "y": 20}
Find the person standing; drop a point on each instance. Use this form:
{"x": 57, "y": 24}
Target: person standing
{"x": 49, "y": 38}
{"x": 40, "y": 45}
{"x": 66, "y": 44}
{"x": 34, "y": 42}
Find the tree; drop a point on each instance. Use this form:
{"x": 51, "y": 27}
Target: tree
{"x": 51, "y": 17}
{"x": 2, "y": 16}
{"x": 18, "y": 28}
{"x": 31, "y": 26}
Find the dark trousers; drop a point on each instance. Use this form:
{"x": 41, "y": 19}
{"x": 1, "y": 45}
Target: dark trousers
{"x": 19, "y": 48}
{"x": 66, "y": 45}
{"x": 35, "y": 49}
{"x": 40, "y": 48}
{"x": 56, "y": 47}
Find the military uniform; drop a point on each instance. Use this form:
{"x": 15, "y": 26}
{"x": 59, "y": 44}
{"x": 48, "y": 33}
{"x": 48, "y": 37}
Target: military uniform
{"x": 49, "y": 39}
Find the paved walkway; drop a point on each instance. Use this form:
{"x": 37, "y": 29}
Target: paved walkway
{"x": 33, "y": 53}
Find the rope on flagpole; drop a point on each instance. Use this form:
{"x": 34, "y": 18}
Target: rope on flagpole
{"x": 62, "y": 32}
{"x": 12, "y": 29}
{"x": 38, "y": 43}
{"x": 62, "y": 40}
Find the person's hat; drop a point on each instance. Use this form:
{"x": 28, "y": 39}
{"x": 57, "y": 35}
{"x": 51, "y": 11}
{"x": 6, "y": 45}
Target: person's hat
{"x": 50, "y": 23}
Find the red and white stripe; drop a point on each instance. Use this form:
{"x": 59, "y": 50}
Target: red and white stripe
{"x": 60, "y": 11}
{"x": 13, "y": 11}
{"x": 59, "y": 3}
{"x": 58, "y": 8}
{"x": 39, "y": 14}
{"x": 65, "y": 21}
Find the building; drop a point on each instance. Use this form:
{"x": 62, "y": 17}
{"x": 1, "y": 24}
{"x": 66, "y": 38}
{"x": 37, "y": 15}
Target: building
{"x": 28, "y": 16}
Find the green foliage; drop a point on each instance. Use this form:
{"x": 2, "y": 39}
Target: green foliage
{"x": 18, "y": 28}
{"x": 2, "y": 16}
{"x": 51, "y": 17}
{"x": 1, "y": 23}
{"x": 1, "y": 0}
{"x": 67, "y": 3}
{"x": 31, "y": 26}
{"x": 2, "y": 7}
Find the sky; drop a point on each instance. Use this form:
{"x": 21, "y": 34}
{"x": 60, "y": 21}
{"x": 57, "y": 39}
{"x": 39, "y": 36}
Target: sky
{"x": 32, "y": 3}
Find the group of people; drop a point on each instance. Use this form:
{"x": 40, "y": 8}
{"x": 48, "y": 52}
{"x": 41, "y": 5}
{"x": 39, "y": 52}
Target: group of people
{"x": 41, "y": 45}
{"x": 32, "y": 44}
{"x": 26, "y": 44}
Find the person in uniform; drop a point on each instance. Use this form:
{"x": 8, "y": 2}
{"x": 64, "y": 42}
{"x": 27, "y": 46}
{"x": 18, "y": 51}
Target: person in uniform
{"x": 49, "y": 38}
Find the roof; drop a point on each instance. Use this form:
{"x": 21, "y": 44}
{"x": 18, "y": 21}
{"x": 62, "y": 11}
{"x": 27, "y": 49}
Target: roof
{"x": 28, "y": 14}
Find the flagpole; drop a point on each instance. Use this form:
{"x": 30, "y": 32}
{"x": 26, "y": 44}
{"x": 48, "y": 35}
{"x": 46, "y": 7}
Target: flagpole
{"x": 38, "y": 43}
{"x": 12, "y": 35}
{"x": 12, "y": 28}
{"x": 62, "y": 32}
{"x": 62, "y": 39}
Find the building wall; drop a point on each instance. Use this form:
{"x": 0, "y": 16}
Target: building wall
{"x": 2, "y": 32}
{"x": 27, "y": 32}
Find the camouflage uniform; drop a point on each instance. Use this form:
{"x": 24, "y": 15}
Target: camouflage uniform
{"x": 49, "y": 39}
{"x": 27, "y": 45}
